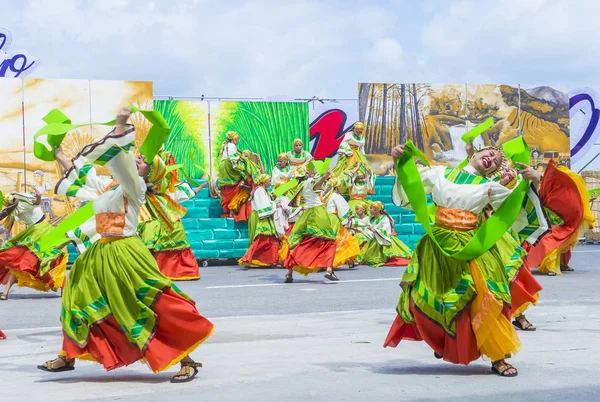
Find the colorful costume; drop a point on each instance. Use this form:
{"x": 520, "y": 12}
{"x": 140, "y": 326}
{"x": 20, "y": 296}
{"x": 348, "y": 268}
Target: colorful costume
{"x": 360, "y": 230}
{"x": 347, "y": 248}
{"x": 236, "y": 173}
{"x": 21, "y": 255}
{"x": 280, "y": 174}
{"x": 384, "y": 248}
{"x": 117, "y": 308}
{"x": 358, "y": 188}
{"x": 461, "y": 308}
{"x": 298, "y": 159}
{"x": 312, "y": 240}
{"x": 350, "y": 153}
{"x": 564, "y": 194}
{"x": 262, "y": 234}
{"x": 292, "y": 216}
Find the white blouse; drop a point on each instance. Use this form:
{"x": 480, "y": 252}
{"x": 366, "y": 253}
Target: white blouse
{"x": 471, "y": 197}
{"x": 349, "y": 141}
{"x": 116, "y": 210}
{"x": 231, "y": 152}
{"x": 280, "y": 175}
{"x": 262, "y": 203}
{"x": 361, "y": 225}
{"x": 311, "y": 198}
{"x": 382, "y": 230}
{"x": 337, "y": 205}
{"x": 26, "y": 211}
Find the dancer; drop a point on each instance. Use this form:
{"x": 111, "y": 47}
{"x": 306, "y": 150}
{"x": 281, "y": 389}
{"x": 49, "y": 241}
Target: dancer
{"x": 359, "y": 185}
{"x": 117, "y": 308}
{"x": 298, "y": 156}
{"x": 312, "y": 240}
{"x": 292, "y": 213}
{"x": 262, "y": 234}
{"x": 360, "y": 225}
{"x": 347, "y": 247}
{"x": 282, "y": 172}
{"x": 524, "y": 288}
{"x": 45, "y": 189}
{"x": 235, "y": 178}
{"x": 161, "y": 229}
{"x": 384, "y": 248}
{"x": 566, "y": 199}
{"x": 461, "y": 308}
{"x": 21, "y": 261}
{"x": 351, "y": 154}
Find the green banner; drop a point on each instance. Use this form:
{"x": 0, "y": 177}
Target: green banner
{"x": 473, "y": 133}
{"x": 57, "y": 236}
{"x": 486, "y": 236}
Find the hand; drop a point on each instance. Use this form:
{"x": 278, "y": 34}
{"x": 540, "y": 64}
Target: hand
{"x": 594, "y": 197}
{"x": 327, "y": 173}
{"x": 469, "y": 149}
{"x": 529, "y": 173}
{"x": 398, "y": 151}
{"x": 123, "y": 116}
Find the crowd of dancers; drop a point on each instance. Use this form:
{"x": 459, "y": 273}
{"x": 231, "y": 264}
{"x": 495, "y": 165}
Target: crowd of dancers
{"x": 120, "y": 305}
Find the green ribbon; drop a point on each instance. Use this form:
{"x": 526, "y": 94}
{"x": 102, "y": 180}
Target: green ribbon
{"x": 473, "y": 133}
{"x": 58, "y": 125}
{"x": 57, "y": 236}
{"x": 594, "y": 191}
{"x": 487, "y": 235}
{"x": 284, "y": 188}
{"x": 320, "y": 166}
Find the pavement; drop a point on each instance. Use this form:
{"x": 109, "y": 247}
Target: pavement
{"x": 316, "y": 340}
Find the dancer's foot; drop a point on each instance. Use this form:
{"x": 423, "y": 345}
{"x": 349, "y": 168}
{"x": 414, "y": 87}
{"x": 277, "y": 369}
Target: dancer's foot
{"x": 3, "y": 296}
{"x": 331, "y": 275}
{"x": 503, "y": 369}
{"x": 187, "y": 372}
{"x": 523, "y": 324}
{"x": 58, "y": 365}
{"x": 566, "y": 268}
{"x": 289, "y": 278}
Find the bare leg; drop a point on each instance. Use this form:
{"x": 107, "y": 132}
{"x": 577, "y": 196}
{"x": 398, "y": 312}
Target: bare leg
{"x": 188, "y": 370}
{"x": 11, "y": 281}
{"x": 331, "y": 275}
{"x": 289, "y": 276}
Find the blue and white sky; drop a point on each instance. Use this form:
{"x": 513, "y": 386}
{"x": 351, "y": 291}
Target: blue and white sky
{"x": 305, "y": 48}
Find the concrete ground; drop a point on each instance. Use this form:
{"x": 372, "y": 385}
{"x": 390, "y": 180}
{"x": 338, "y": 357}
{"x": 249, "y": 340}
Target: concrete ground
{"x": 319, "y": 341}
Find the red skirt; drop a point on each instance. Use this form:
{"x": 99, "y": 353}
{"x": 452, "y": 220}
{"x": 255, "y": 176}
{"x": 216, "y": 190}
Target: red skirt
{"x": 178, "y": 265}
{"x": 524, "y": 290}
{"x": 311, "y": 255}
{"x": 25, "y": 265}
{"x": 264, "y": 252}
{"x": 179, "y": 330}
{"x": 231, "y": 197}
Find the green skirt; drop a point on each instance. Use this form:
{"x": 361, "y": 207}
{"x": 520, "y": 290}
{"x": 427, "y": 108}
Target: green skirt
{"x": 377, "y": 255}
{"x": 158, "y": 239}
{"x": 230, "y": 176}
{"x": 257, "y": 226}
{"x": 442, "y": 287}
{"x": 315, "y": 222}
{"x": 118, "y": 278}
{"x": 38, "y": 270}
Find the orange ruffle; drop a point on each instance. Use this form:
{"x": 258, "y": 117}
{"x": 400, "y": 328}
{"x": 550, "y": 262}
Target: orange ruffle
{"x": 178, "y": 265}
{"x": 179, "y": 330}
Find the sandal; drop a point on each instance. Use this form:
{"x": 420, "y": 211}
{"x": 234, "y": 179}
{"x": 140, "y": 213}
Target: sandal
{"x": 566, "y": 268}
{"x": 500, "y": 367}
{"x": 188, "y": 371}
{"x": 289, "y": 279}
{"x": 47, "y": 366}
{"x": 523, "y": 327}
{"x": 3, "y": 296}
{"x": 437, "y": 356}
{"x": 551, "y": 274}
{"x": 331, "y": 276}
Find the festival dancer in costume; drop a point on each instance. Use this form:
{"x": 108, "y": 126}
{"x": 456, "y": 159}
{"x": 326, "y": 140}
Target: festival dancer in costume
{"x": 347, "y": 247}
{"x": 298, "y": 156}
{"x": 263, "y": 238}
{"x": 292, "y": 213}
{"x": 461, "y": 308}
{"x": 359, "y": 185}
{"x": 351, "y": 154}
{"x": 360, "y": 225}
{"x": 117, "y": 308}
{"x": 21, "y": 260}
{"x": 312, "y": 240}
{"x": 384, "y": 248}
{"x": 236, "y": 173}
{"x": 565, "y": 197}
{"x": 161, "y": 228}
{"x": 524, "y": 288}
{"x": 45, "y": 189}
{"x": 282, "y": 171}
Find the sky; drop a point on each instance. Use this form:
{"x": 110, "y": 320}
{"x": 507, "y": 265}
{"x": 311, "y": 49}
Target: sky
{"x": 306, "y": 48}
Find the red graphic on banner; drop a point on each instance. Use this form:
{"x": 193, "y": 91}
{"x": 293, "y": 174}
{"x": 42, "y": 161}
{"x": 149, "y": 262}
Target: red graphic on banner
{"x": 328, "y": 132}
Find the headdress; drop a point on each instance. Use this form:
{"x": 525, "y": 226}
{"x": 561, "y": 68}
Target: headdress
{"x": 378, "y": 205}
{"x": 359, "y": 124}
{"x": 362, "y": 205}
{"x": 262, "y": 178}
{"x": 298, "y": 141}
{"x": 283, "y": 155}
